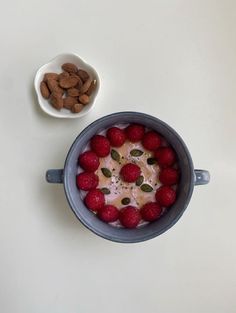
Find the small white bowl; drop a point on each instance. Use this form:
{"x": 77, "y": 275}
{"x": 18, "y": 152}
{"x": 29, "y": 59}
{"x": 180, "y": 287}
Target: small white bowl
{"x": 54, "y": 66}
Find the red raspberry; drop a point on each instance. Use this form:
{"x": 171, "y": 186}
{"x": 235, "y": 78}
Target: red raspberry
{"x": 89, "y": 161}
{"x": 100, "y": 145}
{"x": 169, "y": 176}
{"x": 165, "y": 156}
{"x": 116, "y": 136}
{"x": 94, "y": 200}
{"x": 129, "y": 216}
{"x": 108, "y": 213}
{"x": 86, "y": 181}
{"x": 151, "y": 140}
{"x": 151, "y": 211}
{"x": 135, "y": 132}
{"x": 130, "y": 172}
{"x": 165, "y": 195}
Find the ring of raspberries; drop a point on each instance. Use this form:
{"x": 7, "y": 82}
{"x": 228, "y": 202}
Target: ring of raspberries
{"x": 128, "y": 215}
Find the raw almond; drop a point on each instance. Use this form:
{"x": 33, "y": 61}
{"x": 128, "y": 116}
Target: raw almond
{"x": 74, "y": 75}
{"x": 83, "y": 75}
{"x": 77, "y": 108}
{"x": 73, "y": 92}
{"x": 68, "y": 82}
{"x": 56, "y": 101}
{"x": 85, "y": 86}
{"x": 52, "y": 84}
{"x": 79, "y": 84}
{"x": 69, "y": 67}
{"x": 84, "y": 99}
{"x": 48, "y": 76}
{"x": 70, "y": 89}
{"x": 63, "y": 75}
{"x": 91, "y": 88}
{"x": 44, "y": 90}
{"x": 53, "y": 87}
{"x": 68, "y": 102}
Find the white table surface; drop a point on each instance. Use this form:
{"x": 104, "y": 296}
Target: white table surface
{"x": 173, "y": 59}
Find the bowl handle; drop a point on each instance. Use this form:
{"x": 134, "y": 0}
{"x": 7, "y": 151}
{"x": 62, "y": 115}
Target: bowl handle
{"x": 202, "y": 177}
{"x": 54, "y": 176}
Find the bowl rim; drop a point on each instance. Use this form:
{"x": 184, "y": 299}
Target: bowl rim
{"x": 59, "y": 114}
{"x": 148, "y": 236}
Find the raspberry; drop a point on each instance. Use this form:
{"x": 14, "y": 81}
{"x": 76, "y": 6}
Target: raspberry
{"x": 151, "y": 211}
{"x": 129, "y": 217}
{"x": 116, "y": 136}
{"x": 86, "y": 181}
{"x": 165, "y": 156}
{"x": 100, "y": 145}
{"x": 94, "y": 200}
{"x": 108, "y": 213}
{"x": 151, "y": 140}
{"x": 169, "y": 176}
{"x": 130, "y": 172}
{"x": 165, "y": 196}
{"x": 135, "y": 132}
{"x": 89, "y": 161}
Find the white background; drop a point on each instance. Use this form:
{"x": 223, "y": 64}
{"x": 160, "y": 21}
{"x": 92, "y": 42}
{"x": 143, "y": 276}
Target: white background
{"x": 173, "y": 59}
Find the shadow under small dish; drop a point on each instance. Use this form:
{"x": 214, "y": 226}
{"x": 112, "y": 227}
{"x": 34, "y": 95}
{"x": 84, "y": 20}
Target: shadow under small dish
{"x": 128, "y": 177}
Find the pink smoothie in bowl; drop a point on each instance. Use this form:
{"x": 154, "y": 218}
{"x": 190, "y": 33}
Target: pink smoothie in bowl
{"x": 128, "y": 175}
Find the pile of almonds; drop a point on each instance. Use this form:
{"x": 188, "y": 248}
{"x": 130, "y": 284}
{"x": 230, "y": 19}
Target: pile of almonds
{"x": 70, "y": 89}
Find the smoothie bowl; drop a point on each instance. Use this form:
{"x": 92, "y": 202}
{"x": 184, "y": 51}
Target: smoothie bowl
{"x": 128, "y": 177}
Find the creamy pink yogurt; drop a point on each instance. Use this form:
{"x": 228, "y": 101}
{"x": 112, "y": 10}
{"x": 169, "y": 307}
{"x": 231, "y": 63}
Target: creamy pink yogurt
{"x": 120, "y": 189}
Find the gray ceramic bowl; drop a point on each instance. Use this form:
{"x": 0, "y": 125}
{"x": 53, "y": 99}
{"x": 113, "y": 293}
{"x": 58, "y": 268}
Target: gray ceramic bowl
{"x": 189, "y": 178}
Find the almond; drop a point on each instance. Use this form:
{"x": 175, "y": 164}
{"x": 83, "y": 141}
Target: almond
{"x": 73, "y": 92}
{"x": 68, "y": 82}
{"x": 68, "y": 102}
{"x": 56, "y": 101}
{"x": 84, "y": 99}
{"x": 63, "y": 75}
{"x": 70, "y": 89}
{"x": 48, "y": 76}
{"x": 74, "y": 75}
{"x": 85, "y": 86}
{"x": 92, "y": 87}
{"x": 77, "y": 108}
{"x": 69, "y": 67}
{"x": 53, "y": 86}
{"x": 44, "y": 90}
{"x": 79, "y": 84}
{"x": 83, "y": 75}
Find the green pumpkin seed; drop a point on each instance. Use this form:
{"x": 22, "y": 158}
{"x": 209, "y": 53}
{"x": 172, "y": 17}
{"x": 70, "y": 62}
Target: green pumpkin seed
{"x": 106, "y": 191}
{"x": 136, "y": 152}
{"x": 151, "y": 161}
{"x": 115, "y": 155}
{"x": 106, "y": 172}
{"x": 146, "y": 188}
{"x": 125, "y": 201}
{"x": 139, "y": 181}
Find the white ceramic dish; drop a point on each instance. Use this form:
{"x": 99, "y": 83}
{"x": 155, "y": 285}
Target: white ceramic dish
{"x": 55, "y": 66}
